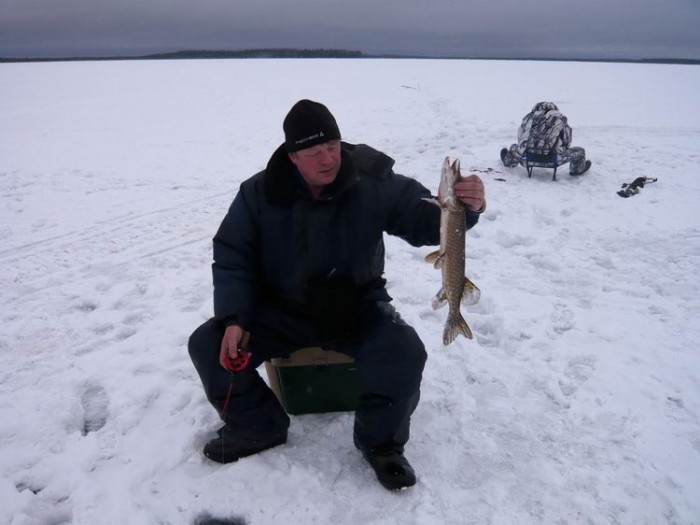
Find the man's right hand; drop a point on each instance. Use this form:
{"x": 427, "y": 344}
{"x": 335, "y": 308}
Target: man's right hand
{"x": 230, "y": 344}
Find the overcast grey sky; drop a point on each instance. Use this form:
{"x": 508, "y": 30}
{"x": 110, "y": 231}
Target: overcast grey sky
{"x": 470, "y": 28}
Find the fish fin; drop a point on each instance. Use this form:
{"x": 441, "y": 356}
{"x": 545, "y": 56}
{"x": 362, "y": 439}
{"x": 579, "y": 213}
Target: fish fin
{"x": 435, "y": 258}
{"x": 454, "y": 326}
{"x": 440, "y": 299}
{"x": 432, "y": 200}
{"x": 432, "y": 256}
{"x": 471, "y": 294}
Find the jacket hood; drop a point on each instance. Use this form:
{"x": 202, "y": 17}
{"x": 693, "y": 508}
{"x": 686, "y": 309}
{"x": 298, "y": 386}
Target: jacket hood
{"x": 545, "y": 106}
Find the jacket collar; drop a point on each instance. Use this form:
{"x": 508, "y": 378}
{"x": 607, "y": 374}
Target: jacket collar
{"x": 283, "y": 183}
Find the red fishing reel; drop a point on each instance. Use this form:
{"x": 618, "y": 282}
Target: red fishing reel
{"x": 239, "y": 363}
{"x": 242, "y": 360}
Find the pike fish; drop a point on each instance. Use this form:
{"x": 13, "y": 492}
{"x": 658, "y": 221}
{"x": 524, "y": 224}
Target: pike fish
{"x": 456, "y": 288}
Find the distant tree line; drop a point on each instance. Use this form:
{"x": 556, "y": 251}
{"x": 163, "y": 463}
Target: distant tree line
{"x": 206, "y": 54}
{"x": 284, "y": 52}
{"x": 264, "y": 53}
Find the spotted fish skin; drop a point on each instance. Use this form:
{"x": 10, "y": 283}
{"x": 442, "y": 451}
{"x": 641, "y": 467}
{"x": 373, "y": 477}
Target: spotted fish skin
{"x": 456, "y": 288}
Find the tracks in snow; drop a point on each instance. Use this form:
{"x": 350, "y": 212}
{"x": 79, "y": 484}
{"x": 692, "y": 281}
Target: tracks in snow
{"x": 110, "y": 242}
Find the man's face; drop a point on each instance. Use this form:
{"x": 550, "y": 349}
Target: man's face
{"x": 319, "y": 165}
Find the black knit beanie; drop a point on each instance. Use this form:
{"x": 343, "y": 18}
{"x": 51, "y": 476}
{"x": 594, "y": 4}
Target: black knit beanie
{"x": 307, "y": 124}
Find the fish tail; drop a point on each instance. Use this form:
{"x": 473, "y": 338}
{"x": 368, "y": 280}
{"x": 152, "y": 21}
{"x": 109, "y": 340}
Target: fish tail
{"x": 454, "y": 326}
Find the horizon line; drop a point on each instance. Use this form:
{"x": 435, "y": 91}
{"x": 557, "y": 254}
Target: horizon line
{"x": 306, "y": 53}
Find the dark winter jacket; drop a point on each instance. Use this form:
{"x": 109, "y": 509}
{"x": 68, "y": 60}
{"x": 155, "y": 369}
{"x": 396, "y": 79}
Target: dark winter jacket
{"x": 276, "y": 241}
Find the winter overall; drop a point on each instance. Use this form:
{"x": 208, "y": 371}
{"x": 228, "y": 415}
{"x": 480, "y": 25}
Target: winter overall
{"x": 389, "y": 357}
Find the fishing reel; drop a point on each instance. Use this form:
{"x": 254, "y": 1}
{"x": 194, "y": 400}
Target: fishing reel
{"x": 237, "y": 364}
{"x": 242, "y": 360}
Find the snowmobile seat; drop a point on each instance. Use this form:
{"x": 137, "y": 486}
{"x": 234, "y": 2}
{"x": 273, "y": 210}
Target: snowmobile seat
{"x": 536, "y": 158}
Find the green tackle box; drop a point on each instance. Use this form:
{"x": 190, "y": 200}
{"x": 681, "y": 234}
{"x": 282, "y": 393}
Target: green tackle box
{"x": 313, "y": 380}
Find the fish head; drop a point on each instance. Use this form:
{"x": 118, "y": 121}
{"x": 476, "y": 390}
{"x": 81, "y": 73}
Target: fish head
{"x": 450, "y": 174}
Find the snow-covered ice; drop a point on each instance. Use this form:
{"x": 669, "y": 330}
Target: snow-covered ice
{"x": 578, "y": 401}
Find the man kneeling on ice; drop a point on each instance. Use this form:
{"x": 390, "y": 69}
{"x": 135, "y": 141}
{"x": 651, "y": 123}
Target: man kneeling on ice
{"x": 298, "y": 262}
{"x": 542, "y": 130}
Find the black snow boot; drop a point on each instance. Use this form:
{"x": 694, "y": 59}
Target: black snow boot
{"x": 504, "y": 152}
{"x": 230, "y": 446}
{"x": 392, "y": 468}
{"x": 585, "y": 168}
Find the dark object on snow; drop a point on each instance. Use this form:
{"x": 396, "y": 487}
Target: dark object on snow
{"x": 632, "y": 188}
{"x": 393, "y": 470}
{"x": 482, "y": 170}
{"x": 207, "y": 519}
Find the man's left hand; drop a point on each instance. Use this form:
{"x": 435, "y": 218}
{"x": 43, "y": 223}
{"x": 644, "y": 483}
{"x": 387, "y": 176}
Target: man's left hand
{"x": 470, "y": 191}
